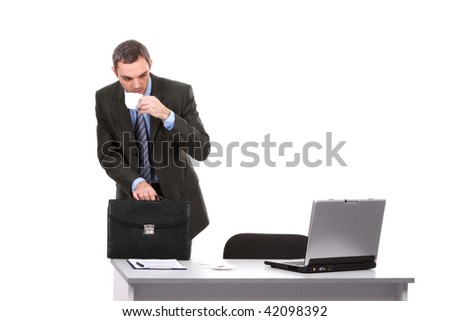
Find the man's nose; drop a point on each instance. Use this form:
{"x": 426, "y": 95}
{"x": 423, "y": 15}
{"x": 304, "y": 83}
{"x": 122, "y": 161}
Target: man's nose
{"x": 136, "y": 83}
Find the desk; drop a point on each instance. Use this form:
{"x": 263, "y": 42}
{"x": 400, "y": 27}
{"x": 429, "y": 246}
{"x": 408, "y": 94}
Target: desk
{"x": 251, "y": 280}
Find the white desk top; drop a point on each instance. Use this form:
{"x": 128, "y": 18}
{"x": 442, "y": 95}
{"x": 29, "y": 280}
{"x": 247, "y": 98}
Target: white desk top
{"x": 254, "y": 270}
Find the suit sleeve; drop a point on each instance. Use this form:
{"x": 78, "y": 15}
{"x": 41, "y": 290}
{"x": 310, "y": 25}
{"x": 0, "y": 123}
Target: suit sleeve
{"x": 188, "y": 131}
{"x": 110, "y": 151}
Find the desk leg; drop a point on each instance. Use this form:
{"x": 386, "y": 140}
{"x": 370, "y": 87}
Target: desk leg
{"x": 402, "y": 292}
{"x": 122, "y": 290}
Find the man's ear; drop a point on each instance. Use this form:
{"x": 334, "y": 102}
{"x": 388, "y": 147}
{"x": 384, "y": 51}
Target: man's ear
{"x": 114, "y": 71}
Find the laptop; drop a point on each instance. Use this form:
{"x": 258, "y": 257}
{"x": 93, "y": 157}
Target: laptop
{"x": 343, "y": 235}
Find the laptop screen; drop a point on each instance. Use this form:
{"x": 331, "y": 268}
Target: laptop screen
{"x": 344, "y": 228}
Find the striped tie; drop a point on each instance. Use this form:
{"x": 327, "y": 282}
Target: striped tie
{"x": 141, "y": 134}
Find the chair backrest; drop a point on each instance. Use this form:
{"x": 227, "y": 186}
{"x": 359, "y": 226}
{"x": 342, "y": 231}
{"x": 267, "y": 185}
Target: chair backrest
{"x": 265, "y": 246}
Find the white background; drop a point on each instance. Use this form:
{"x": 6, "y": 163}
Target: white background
{"x": 374, "y": 73}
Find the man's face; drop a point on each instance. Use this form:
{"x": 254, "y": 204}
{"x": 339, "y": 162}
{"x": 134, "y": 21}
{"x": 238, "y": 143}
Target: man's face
{"x": 133, "y": 77}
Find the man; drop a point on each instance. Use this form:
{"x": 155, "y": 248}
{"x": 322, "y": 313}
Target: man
{"x": 167, "y": 119}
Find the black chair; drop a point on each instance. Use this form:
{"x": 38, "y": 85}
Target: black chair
{"x": 265, "y": 246}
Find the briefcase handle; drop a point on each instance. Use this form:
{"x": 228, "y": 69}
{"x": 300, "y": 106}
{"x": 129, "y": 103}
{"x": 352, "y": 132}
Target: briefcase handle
{"x": 159, "y": 198}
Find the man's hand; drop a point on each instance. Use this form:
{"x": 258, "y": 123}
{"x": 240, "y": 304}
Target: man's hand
{"x": 151, "y": 105}
{"x": 145, "y": 192}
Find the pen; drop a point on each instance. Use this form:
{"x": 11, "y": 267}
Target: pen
{"x": 140, "y": 264}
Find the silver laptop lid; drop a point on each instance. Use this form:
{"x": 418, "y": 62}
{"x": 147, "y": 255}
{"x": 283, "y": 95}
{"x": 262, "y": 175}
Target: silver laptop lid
{"x": 344, "y": 228}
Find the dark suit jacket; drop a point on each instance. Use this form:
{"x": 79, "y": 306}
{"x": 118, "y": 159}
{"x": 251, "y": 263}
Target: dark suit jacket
{"x": 170, "y": 151}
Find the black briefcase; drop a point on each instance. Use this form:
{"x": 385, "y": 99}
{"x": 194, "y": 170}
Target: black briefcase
{"x": 148, "y": 230}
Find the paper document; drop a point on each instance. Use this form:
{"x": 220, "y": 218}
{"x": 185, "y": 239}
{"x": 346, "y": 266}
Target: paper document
{"x": 156, "y": 264}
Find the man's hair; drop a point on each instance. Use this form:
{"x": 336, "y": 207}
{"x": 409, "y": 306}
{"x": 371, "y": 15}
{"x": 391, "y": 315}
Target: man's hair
{"x": 128, "y": 52}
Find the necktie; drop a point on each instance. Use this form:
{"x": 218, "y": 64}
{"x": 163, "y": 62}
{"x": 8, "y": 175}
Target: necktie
{"x": 141, "y": 134}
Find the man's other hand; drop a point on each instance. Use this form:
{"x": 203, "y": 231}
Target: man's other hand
{"x": 151, "y": 105}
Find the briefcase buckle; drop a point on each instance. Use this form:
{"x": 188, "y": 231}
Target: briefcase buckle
{"x": 149, "y": 229}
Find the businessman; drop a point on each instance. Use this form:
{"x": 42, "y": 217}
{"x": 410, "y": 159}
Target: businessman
{"x": 147, "y": 150}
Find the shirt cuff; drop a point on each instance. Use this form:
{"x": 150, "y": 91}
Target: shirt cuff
{"x": 170, "y": 121}
{"x": 136, "y": 182}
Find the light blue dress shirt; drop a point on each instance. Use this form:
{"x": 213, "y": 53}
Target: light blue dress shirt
{"x": 168, "y": 124}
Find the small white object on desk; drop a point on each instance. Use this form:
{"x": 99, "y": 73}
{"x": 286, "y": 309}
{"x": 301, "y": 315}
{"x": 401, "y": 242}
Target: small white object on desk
{"x": 218, "y": 266}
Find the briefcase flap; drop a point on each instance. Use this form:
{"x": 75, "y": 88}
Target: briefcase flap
{"x": 148, "y": 229}
{"x": 162, "y": 214}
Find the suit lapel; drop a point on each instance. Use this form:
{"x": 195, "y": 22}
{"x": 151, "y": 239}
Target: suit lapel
{"x": 158, "y": 91}
{"x": 123, "y": 113}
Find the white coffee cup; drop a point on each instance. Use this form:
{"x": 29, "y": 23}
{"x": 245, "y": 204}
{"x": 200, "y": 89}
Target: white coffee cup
{"x": 132, "y": 100}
